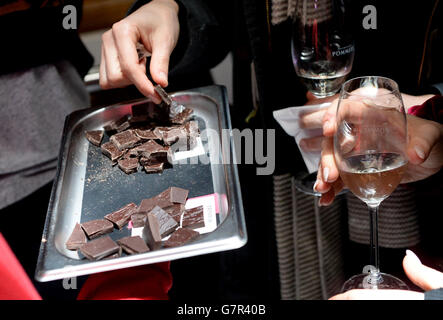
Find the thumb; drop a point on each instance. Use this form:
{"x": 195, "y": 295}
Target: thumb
{"x": 421, "y": 275}
{"x": 159, "y": 65}
{"x": 423, "y": 136}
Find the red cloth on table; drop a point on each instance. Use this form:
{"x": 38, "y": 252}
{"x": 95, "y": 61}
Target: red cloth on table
{"x": 149, "y": 282}
{"x": 14, "y": 282}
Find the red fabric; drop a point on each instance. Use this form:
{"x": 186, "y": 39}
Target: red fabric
{"x": 14, "y": 282}
{"x": 431, "y": 109}
{"x": 149, "y": 282}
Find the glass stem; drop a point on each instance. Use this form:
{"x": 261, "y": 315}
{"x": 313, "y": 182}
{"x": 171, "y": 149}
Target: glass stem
{"x": 373, "y": 218}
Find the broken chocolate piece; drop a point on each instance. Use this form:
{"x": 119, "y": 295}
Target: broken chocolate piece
{"x": 121, "y": 217}
{"x": 148, "y": 149}
{"x": 178, "y": 134}
{"x": 125, "y": 125}
{"x": 154, "y": 168}
{"x": 180, "y": 237}
{"x": 111, "y": 151}
{"x": 100, "y": 248}
{"x": 182, "y": 116}
{"x": 175, "y": 211}
{"x": 96, "y": 228}
{"x": 146, "y": 134}
{"x": 172, "y": 195}
{"x": 124, "y": 140}
{"x": 133, "y": 245}
{"x": 138, "y": 220}
{"x": 113, "y": 125}
{"x": 95, "y": 137}
{"x": 161, "y": 223}
{"x": 193, "y": 218}
{"x": 128, "y": 165}
{"x": 77, "y": 238}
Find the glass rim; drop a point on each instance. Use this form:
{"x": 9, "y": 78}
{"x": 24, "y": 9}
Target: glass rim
{"x": 395, "y": 88}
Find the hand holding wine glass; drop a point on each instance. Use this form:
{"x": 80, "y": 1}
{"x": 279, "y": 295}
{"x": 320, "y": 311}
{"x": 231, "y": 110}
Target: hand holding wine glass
{"x": 370, "y": 153}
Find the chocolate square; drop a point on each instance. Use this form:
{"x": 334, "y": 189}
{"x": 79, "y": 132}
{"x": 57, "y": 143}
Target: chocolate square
{"x": 148, "y": 134}
{"x": 128, "y": 165}
{"x": 112, "y": 126}
{"x": 161, "y": 223}
{"x": 77, "y": 238}
{"x": 193, "y": 218}
{"x": 111, "y": 151}
{"x": 133, "y": 245}
{"x": 124, "y": 140}
{"x": 138, "y": 219}
{"x": 96, "y": 228}
{"x": 121, "y": 217}
{"x": 154, "y": 168}
{"x": 95, "y": 136}
{"x": 100, "y": 248}
{"x": 180, "y": 237}
{"x": 172, "y": 195}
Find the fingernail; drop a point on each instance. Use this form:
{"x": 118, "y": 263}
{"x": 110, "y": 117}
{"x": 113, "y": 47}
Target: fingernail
{"x": 164, "y": 78}
{"x": 315, "y": 186}
{"x": 412, "y": 255}
{"x": 325, "y": 174}
{"x": 420, "y": 153}
{"x": 319, "y": 203}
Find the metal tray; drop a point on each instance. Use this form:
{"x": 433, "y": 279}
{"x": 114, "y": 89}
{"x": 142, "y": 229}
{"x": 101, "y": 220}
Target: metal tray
{"x": 87, "y": 187}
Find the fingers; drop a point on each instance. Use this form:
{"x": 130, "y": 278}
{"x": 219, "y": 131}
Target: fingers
{"x": 311, "y": 144}
{"x": 125, "y": 37}
{"x": 421, "y": 275}
{"x": 329, "y": 121}
{"x": 385, "y": 294}
{"x": 423, "y": 137}
{"x": 161, "y": 51}
{"x": 313, "y": 119}
{"x": 327, "y": 162}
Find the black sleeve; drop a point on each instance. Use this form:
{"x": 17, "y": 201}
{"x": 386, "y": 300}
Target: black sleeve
{"x": 205, "y": 35}
{"x": 436, "y": 294}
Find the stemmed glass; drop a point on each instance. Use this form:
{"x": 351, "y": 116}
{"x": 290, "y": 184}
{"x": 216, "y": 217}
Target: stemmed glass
{"x": 321, "y": 45}
{"x": 322, "y": 54}
{"x": 370, "y": 153}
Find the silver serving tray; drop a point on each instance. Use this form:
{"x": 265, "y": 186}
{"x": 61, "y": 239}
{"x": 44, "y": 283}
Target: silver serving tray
{"x": 87, "y": 187}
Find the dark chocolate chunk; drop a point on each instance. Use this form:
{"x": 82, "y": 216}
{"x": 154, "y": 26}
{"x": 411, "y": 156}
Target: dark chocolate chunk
{"x": 100, "y": 248}
{"x": 178, "y": 134}
{"x": 121, "y": 217}
{"x": 113, "y": 256}
{"x": 193, "y": 218}
{"x": 113, "y": 125}
{"x": 124, "y": 140}
{"x": 175, "y": 211}
{"x": 148, "y": 149}
{"x": 133, "y": 245}
{"x": 111, "y": 151}
{"x": 138, "y": 219}
{"x": 128, "y": 165}
{"x": 180, "y": 237}
{"x": 140, "y": 109}
{"x": 154, "y": 168}
{"x": 77, "y": 238}
{"x": 161, "y": 223}
{"x": 96, "y": 228}
{"x": 182, "y": 116}
{"x": 146, "y": 134}
{"x": 124, "y": 126}
{"x": 95, "y": 137}
{"x": 172, "y": 195}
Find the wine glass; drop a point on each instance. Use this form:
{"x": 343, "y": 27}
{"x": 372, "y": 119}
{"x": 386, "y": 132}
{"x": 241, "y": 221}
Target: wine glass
{"x": 321, "y": 45}
{"x": 370, "y": 153}
{"x": 322, "y": 53}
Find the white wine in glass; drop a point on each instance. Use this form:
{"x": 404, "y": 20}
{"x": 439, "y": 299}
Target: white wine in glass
{"x": 370, "y": 152}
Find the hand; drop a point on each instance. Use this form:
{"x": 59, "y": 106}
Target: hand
{"x": 156, "y": 26}
{"x": 421, "y": 275}
{"x": 424, "y": 151}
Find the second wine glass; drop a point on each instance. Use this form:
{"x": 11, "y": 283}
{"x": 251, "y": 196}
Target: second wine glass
{"x": 322, "y": 46}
